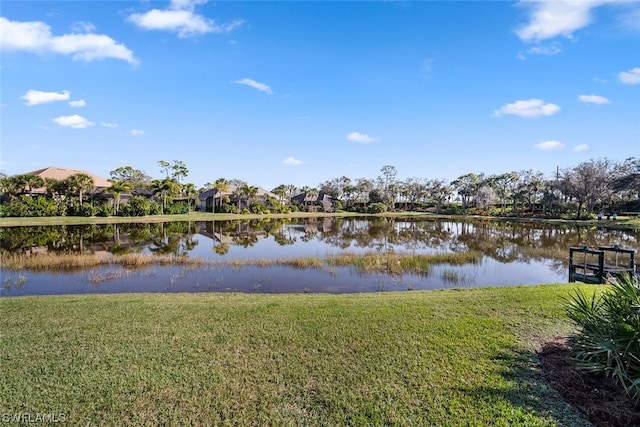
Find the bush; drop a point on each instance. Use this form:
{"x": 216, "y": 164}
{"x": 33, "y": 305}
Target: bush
{"x": 377, "y": 208}
{"x": 258, "y": 208}
{"x": 85, "y": 210}
{"x": 137, "y": 206}
{"x": 375, "y": 196}
{"x": 227, "y": 208}
{"x": 177, "y": 208}
{"x": 27, "y": 206}
{"x": 608, "y": 340}
{"x": 105, "y": 209}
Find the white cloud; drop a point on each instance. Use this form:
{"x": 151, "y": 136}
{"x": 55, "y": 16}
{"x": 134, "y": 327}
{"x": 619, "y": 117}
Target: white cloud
{"x": 78, "y": 103}
{"x": 292, "y": 161}
{"x": 530, "y": 108}
{"x": 548, "y": 50}
{"x": 549, "y": 19}
{"x": 136, "y": 132}
{"x": 581, "y": 147}
{"x": 35, "y": 97}
{"x": 630, "y": 20}
{"x": 108, "y": 125}
{"x": 631, "y": 77}
{"x": 256, "y": 85}
{"x": 593, "y": 99}
{"x": 75, "y": 121}
{"x": 36, "y": 37}
{"x": 181, "y": 18}
{"x": 361, "y": 138}
{"x": 83, "y": 27}
{"x": 550, "y": 145}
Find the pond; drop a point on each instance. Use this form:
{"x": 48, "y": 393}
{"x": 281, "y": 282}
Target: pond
{"x": 289, "y": 255}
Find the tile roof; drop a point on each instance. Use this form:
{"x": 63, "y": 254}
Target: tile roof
{"x": 60, "y": 174}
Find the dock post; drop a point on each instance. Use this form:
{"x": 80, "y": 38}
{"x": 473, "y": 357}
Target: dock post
{"x": 572, "y": 269}
{"x": 601, "y": 267}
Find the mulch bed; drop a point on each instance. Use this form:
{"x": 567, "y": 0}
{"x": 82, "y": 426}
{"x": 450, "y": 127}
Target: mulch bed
{"x": 600, "y": 399}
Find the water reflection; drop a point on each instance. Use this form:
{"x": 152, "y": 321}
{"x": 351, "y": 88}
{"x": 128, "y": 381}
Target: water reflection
{"x": 513, "y": 253}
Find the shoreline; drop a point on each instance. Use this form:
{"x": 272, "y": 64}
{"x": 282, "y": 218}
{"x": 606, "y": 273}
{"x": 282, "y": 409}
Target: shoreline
{"x": 624, "y": 223}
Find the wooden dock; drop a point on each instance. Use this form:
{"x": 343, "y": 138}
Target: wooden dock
{"x": 589, "y": 265}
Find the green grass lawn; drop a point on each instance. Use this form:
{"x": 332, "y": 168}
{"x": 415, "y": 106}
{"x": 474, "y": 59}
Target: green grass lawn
{"x": 194, "y": 216}
{"x": 623, "y": 223}
{"x": 441, "y": 358}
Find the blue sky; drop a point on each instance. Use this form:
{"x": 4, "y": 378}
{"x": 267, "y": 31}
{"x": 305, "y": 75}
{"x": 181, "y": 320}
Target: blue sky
{"x": 301, "y": 92}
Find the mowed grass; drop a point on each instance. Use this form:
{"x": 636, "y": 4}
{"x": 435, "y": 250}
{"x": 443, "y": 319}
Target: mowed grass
{"x": 441, "y": 358}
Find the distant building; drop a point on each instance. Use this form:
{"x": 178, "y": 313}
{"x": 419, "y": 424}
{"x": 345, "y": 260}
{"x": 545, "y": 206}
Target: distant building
{"x": 314, "y": 202}
{"x": 60, "y": 174}
{"x": 213, "y": 196}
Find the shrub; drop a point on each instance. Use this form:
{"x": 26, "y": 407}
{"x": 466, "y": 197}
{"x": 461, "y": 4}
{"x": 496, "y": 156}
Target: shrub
{"x": 137, "y": 206}
{"x": 105, "y": 209}
{"x": 608, "y": 338}
{"x": 85, "y": 210}
{"x": 27, "y": 206}
{"x": 155, "y": 207}
{"x": 226, "y": 208}
{"x": 375, "y": 196}
{"x": 257, "y": 207}
{"x": 177, "y": 208}
{"x": 377, "y": 208}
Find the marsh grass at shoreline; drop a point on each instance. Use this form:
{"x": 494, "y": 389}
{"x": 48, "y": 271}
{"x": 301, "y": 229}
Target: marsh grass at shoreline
{"x": 457, "y": 357}
{"x": 388, "y": 263}
{"x": 16, "y": 261}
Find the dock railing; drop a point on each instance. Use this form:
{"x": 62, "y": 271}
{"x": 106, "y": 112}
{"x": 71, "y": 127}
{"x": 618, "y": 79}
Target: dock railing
{"x": 591, "y": 265}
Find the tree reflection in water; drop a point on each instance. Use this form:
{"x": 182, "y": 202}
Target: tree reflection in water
{"x": 503, "y": 241}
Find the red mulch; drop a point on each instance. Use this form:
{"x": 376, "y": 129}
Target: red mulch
{"x": 600, "y": 399}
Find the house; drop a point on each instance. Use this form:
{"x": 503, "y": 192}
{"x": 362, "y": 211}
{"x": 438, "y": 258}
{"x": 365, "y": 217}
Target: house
{"x": 213, "y": 196}
{"x": 313, "y": 202}
{"x": 60, "y": 174}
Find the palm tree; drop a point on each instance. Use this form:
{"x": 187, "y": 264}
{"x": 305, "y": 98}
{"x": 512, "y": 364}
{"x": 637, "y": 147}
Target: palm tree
{"x": 291, "y": 191}
{"x": 165, "y": 187}
{"x": 239, "y": 194}
{"x": 252, "y": 192}
{"x": 245, "y": 192}
{"x": 117, "y": 188}
{"x": 190, "y": 192}
{"x": 80, "y": 182}
{"x": 51, "y": 186}
{"x": 13, "y": 185}
{"x": 33, "y": 181}
{"x": 221, "y": 186}
{"x": 270, "y": 201}
{"x": 280, "y": 191}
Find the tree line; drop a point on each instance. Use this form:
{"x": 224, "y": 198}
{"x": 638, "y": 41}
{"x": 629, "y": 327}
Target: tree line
{"x": 592, "y": 186}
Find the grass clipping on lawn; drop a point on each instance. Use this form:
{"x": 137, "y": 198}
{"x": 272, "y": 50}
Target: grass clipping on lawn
{"x": 455, "y": 357}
